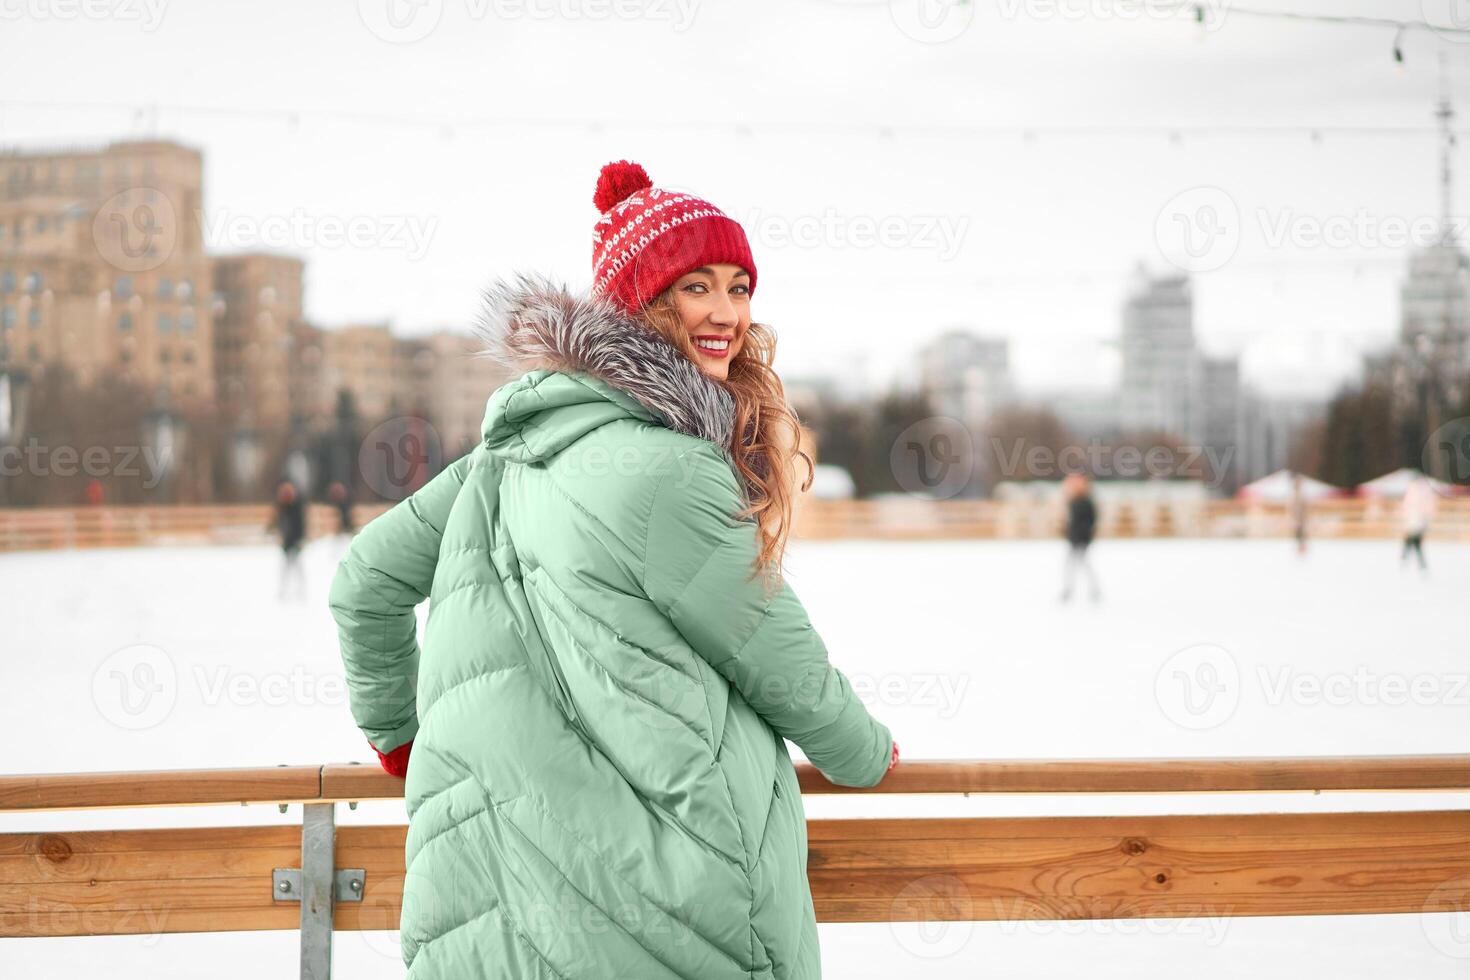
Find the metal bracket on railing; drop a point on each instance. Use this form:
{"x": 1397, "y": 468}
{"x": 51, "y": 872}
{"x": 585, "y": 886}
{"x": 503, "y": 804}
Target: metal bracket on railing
{"x": 347, "y": 884}
{"x": 316, "y": 885}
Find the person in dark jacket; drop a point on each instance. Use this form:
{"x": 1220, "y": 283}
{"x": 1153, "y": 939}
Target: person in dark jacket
{"x": 1081, "y": 526}
{"x": 342, "y": 500}
{"x": 289, "y": 521}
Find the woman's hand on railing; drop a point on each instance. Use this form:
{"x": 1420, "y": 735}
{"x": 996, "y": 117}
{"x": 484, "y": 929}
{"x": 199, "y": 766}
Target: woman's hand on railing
{"x": 893, "y": 761}
{"x": 395, "y": 763}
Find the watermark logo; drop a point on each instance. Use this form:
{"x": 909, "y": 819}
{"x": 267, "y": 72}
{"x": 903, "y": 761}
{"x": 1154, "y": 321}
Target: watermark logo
{"x": 933, "y": 457}
{"x": 931, "y": 916}
{"x": 136, "y": 230}
{"x": 932, "y": 21}
{"x": 400, "y": 21}
{"x": 1199, "y": 687}
{"x": 1447, "y": 453}
{"x": 1446, "y": 918}
{"x": 1198, "y": 230}
{"x": 1448, "y": 18}
{"x": 135, "y": 688}
{"x": 399, "y": 456}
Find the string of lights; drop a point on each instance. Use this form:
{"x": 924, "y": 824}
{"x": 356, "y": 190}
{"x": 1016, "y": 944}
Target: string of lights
{"x": 146, "y": 116}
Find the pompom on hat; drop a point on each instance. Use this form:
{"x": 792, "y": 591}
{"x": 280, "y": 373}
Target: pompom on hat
{"x": 646, "y": 237}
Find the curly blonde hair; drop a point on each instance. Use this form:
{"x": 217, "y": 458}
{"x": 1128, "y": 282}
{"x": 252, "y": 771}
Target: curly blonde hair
{"x": 765, "y": 439}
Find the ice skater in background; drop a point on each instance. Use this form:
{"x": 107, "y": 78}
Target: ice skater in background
{"x": 1299, "y": 513}
{"x": 342, "y": 500}
{"x": 289, "y": 521}
{"x": 1418, "y": 512}
{"x": 1081, "y": 526}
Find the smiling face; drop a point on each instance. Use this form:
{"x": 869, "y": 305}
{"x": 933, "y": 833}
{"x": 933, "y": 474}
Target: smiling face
{"x": 713, "y": 303}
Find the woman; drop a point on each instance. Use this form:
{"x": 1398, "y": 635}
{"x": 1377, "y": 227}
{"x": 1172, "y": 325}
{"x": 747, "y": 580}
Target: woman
{"x": 599, "y": 784}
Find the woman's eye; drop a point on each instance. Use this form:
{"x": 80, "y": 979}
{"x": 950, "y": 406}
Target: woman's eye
{"x": 742, "y": 289}
{"x": 695, "y": 287}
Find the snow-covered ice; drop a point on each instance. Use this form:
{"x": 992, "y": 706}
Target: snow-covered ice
{"x": 184, "y": 657}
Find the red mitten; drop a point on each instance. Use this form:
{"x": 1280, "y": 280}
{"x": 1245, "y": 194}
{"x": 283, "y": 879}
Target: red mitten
{"x": 892, "y": 762}
{"x": 395, "y": 763}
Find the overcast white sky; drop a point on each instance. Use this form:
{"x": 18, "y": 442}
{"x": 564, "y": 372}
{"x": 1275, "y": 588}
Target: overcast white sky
{"x": 794, "y": 116}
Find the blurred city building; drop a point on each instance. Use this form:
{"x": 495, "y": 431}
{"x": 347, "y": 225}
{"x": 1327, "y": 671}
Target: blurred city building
{"x": 103, "y": 270}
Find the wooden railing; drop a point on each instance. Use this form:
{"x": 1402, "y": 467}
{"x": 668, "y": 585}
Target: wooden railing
{"x": 40, "y": 528}
{"x": 912, "y": 518}
{"x": 102, "y": 882}
{"x": 917, "y": 518}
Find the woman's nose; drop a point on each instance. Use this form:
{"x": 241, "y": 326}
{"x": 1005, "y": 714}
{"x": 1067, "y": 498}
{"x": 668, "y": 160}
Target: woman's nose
{"x": 723, "y": 313}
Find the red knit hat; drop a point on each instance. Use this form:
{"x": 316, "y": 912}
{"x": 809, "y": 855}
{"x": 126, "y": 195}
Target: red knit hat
{"x": 648, "y": 237}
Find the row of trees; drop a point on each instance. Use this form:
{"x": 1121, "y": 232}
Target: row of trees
{"x": 68, "y": 443}
{"x": 897, "y": 444}
{"x": 1367, "y": 432}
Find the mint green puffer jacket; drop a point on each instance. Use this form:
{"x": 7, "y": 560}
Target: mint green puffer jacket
{"x": 599, "y": 786}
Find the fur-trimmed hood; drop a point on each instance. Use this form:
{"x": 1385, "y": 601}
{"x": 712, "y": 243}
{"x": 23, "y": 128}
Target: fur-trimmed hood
{"x": 532, "y": 323}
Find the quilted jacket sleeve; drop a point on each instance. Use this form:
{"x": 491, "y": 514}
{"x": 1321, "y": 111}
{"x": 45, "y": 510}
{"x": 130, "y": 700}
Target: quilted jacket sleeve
{"x": 698, "y": 562}
{"x": 385, "y": 574}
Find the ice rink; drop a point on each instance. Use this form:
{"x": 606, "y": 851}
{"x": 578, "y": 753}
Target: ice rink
{"x": 185, "y": 657}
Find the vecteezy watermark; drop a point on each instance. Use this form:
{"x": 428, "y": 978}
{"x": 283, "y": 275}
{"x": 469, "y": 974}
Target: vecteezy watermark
{"x": 1362, "y": 686}
{"x": 136, "y": 687}
{"x": 1446, "y": 918}
{"x": 1210, "y": 14}
{"x": 942, "y": 692}
{"x": 942, "y": 234}
{"x": 1201, "y": 229}
{"x": 407, "y": 21}
{"x": 933, "y": 457}
{"x": 408, "y": 233}
{"x": 1198, "y": 230}
{"x": 1018, "y": 459}
{"x": 628, "y": 460}
{"x": 136, "y": 230}
{"x": 1111, "y": 917}
{"x": 46, "y": 915}
{"x": 295, "y": 686}
{"x": 37, "y": 459}
{"x": 1201, "y": 687}
{"x": 399, "y": 456}
{"x": 1362, "y": 229}
{"x": 139, "y": 686}
{"x": 147, "y": 14}
{"x": 1198, "y": 687}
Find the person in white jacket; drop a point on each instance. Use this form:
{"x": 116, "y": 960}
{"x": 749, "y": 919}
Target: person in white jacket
{"x": 1418, "y": 512}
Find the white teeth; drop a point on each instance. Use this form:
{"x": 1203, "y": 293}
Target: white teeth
{"x": 713, "y": 344}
